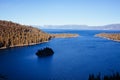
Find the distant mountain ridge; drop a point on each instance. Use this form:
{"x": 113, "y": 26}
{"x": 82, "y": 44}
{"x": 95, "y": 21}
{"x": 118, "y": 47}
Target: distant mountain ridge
{"x": 112, "y": 26}
{"x": 82, "y": 27}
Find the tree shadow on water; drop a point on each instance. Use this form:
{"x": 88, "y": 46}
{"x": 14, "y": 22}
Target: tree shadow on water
{"x": 114, "y": 76}
{"x": 3, "y": 77}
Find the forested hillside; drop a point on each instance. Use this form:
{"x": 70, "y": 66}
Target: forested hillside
{"x": 13, "y": 34}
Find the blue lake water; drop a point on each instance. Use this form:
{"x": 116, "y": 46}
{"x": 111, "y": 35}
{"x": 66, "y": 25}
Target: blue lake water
{"x": 74, "y": 58}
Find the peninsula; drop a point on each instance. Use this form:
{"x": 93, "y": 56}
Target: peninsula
{"x": 111, "y": 36}
{"x": 64, "y": 35}
{"x": 14, "y": 34}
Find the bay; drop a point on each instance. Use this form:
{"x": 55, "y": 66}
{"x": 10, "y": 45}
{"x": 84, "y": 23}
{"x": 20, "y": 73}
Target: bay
{"x": 74, "y": 58}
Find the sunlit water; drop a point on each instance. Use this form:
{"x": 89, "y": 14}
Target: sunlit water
{"x": 74, "y": 58}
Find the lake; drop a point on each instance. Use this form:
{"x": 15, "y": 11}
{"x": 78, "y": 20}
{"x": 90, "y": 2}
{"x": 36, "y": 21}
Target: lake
{"x": 74, "y": 58}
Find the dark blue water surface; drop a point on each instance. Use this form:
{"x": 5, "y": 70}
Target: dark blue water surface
{"x": 74, "y": 58}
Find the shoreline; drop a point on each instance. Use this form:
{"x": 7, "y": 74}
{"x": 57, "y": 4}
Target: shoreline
{"x": 52, "y": 35}
{"x": 107, "y": 38}
{"x": 23, "y": 45}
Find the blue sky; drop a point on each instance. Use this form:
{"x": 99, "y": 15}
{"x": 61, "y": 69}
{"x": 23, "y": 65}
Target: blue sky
{"x": 61, "y": 12}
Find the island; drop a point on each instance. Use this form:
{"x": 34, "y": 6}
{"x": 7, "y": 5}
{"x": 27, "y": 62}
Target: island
{"x": 111, "y": 36}
{"x": 45, "y": 52}
{"x": 13, "y": 34}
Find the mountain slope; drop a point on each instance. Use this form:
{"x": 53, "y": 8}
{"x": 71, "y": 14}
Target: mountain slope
{"x": 13, "y": 34}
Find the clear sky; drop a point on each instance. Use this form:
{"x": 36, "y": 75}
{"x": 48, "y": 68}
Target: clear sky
{"x": 61, "y": 12}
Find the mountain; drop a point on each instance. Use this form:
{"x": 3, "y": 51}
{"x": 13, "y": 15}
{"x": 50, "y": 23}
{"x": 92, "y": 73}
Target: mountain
{"x": 14, "y": 34}
{"x": 82, "y": 27}
{"x": 112, "y": 27}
